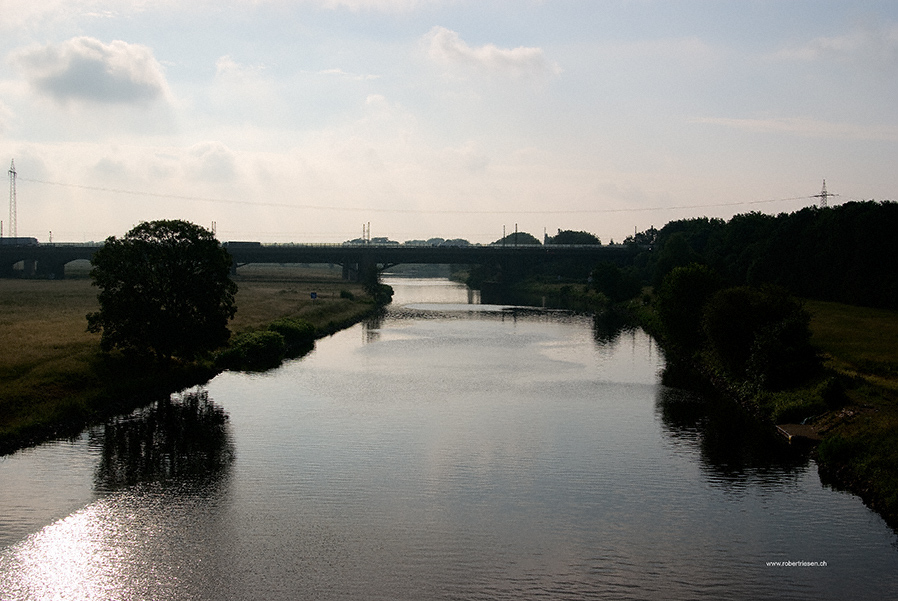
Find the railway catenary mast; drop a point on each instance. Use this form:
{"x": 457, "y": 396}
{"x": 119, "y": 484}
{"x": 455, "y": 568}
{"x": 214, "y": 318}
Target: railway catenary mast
{"x": 12, "y": 200}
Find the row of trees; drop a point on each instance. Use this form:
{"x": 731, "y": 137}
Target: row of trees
{"x": 844, "y": 253}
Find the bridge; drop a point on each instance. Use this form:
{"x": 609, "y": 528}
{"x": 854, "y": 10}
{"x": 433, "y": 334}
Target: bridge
{"x": 49, "y": 260}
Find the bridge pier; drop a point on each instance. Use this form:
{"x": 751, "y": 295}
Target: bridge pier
{"x": 350, "y": 272}
{"x": 53, "y": 271}
{"x": 362, "y": 271}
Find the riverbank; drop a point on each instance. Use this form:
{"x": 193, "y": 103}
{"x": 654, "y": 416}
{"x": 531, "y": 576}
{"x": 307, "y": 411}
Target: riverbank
{"x": 552, "y": 295}
{"x": 849, "y": 407}
{"x": 859, "y": 451}
{"x": 56, "y": 380}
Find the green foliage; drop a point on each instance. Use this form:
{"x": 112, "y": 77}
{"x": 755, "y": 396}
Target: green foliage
{"x": 382, "y": 294}
{"x": 347, "y": 295}
{"x": 253, "y": 351}
{"x": 295, "y": 331}
{"x": 164, "y": 289}
{"x": 517, "y": 239}
{"x": 792, "y": 407}
{"x": 572, "y": 237}
{"x": 675, "y": 252}
{"x": 680, "y": 303}
{"x": 614, "y": 283}
{"x": 843, "y": 253}
{"x": 643, "y": 239}
{"x": 838, "y": 450}
{"x": 759, "y": 335}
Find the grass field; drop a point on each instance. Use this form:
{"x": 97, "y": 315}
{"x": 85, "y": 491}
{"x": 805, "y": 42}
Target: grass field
{"x": 857, "y": 340}
{"x": 860, "y": 446}
{"x": 52, "y": 372}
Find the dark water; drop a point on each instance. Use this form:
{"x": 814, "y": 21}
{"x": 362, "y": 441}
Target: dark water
{"x": 446, "y": 451}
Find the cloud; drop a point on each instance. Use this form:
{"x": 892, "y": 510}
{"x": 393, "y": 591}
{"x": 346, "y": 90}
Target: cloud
{"x": 375, "y": 5}
{"x": 212, "y": 161}
{"x": 352, "y": 76}
{"x": 6, "y": 117}
{"x": 809, "y": 128}
{"x": 873, "y": 43}
{"x": 85, "y": 69}
{"x": 447, "y": 48}
{"x": 226, "y": 67}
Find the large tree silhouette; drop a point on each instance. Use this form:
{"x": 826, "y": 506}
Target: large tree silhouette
{"x": 165, "y": 290}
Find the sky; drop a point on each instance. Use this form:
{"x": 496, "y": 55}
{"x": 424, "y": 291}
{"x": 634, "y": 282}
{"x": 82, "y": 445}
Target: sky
{"x": 305, "y": 120}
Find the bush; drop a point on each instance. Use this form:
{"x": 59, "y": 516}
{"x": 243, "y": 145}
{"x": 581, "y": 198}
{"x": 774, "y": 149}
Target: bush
{"x": 253, "y": 351}
{"x": 347, "y": 295}
{"x": 793, "y": 407}
{"x": 759, "y": 335}
{"x": 295, "y": 331}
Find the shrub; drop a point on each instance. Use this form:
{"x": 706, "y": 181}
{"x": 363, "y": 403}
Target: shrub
{"x": 294, "y": 331}
{"x": 253, "y": 351}
{"x": 760, "y": 335}
{"x": 794, "y": 407}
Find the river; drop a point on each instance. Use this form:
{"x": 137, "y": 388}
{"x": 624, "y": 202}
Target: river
{"x": 448, "y": 450}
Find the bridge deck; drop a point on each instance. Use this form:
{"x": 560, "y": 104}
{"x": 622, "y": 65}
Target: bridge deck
{"x": 51, "y": 258}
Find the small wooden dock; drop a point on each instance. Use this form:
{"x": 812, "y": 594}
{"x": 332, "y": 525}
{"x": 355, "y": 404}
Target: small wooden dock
{"x": 799, "y": 433}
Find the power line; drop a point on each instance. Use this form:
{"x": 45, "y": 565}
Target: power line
{"x": 411, "y": 211}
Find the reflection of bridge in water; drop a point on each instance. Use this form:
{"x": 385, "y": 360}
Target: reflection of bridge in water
{"x": 49, "y": 260}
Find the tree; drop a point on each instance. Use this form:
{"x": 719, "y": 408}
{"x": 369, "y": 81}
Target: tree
{"x": 517, "y": 239}
{"x": 164, "y": 290}
{"x": 675, "y": 252}
{"x": 680, "y": 302}
{"x": 759, "y": 334}
{"x": 572, "y": 237}
{"x": 614, "y": 283}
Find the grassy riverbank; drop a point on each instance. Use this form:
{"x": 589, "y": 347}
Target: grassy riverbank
{"x": 851, "y": 404}
{"x": 859, "y": 451}
{"x": 55, "y": 379}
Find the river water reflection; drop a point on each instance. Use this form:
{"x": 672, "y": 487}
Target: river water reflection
{"x": 447, "y": 450}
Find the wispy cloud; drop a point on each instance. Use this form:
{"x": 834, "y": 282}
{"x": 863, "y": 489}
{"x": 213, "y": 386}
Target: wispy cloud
{"x": 227, "y": 67}
{"x": 352, "y": 76}
{"x": 447, "y": 48}
{"x": 86, "y": 69}
{"x": 376, "y": 5}
{"x": 872, "y": 43}
{"x": 810, "y": 128}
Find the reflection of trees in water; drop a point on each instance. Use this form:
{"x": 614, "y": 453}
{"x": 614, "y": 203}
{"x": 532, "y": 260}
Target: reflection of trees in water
{"x": 371, "y": 327}
{"x": 184, "y": 440}
{"x": 608, "y": 326}
{"x": 734, "y": 446}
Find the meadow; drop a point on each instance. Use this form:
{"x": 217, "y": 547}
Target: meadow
{"x": 55, "y": 379}
{"x": 860, "y": 439}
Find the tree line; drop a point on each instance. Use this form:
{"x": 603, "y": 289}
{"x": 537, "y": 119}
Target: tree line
{"x": 844, "y": 253}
